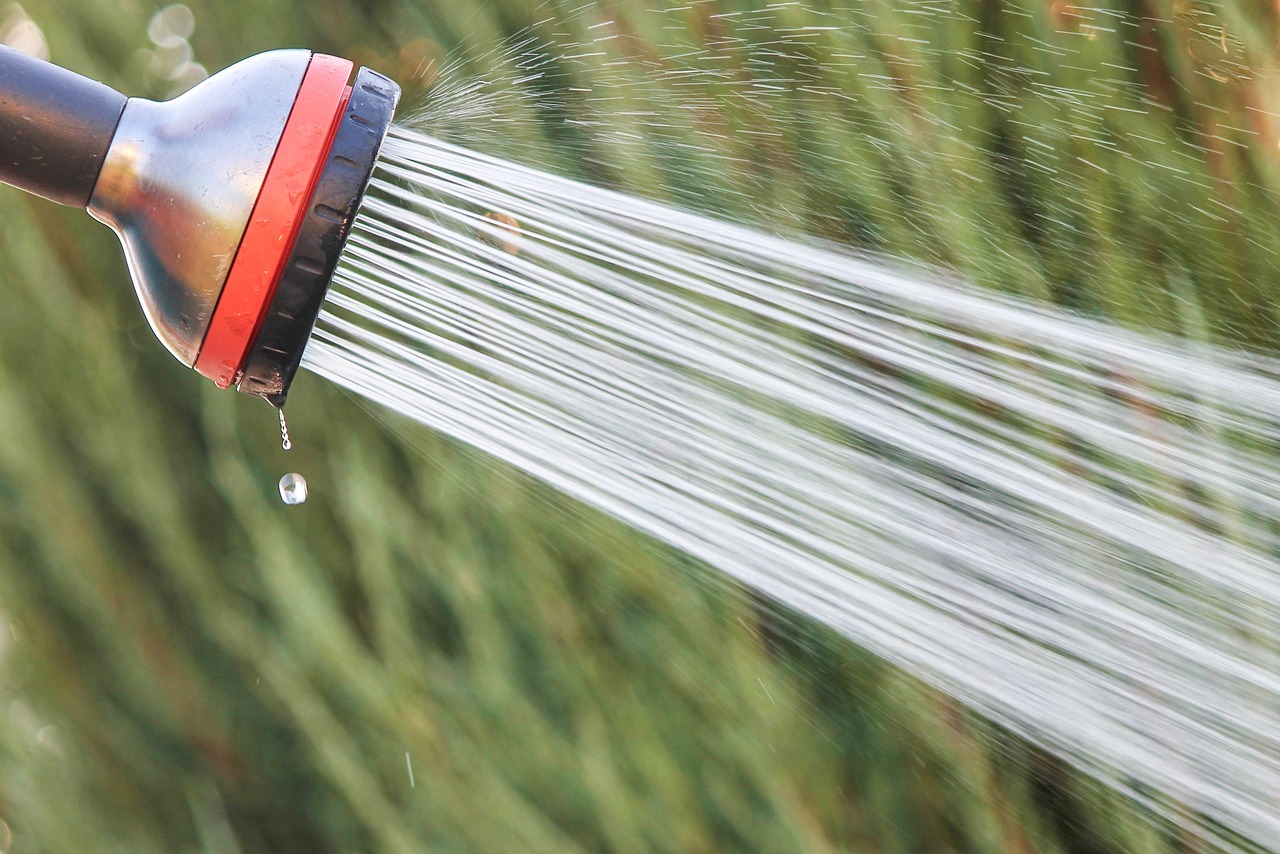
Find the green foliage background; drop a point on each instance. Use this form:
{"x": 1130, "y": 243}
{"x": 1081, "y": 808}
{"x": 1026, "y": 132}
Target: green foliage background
{"x": 188, "y": 665}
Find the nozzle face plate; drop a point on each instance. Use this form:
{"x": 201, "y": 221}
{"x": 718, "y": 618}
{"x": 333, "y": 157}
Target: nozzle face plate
{"x": 284, "y": 333}
{"x": 180, "y": 181}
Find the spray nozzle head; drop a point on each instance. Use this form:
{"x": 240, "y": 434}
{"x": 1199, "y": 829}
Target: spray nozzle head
{"x": 234, "y": 202}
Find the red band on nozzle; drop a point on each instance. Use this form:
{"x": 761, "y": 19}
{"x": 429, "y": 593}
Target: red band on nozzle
{"x": 277, "y": 216}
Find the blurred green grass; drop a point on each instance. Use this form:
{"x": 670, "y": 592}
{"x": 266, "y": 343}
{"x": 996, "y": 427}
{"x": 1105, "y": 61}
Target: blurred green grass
{"x": 192, "y": 666}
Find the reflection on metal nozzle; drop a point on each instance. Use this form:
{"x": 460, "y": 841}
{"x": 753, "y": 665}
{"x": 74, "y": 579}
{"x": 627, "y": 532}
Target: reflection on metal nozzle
{"x": 180, "y": 181}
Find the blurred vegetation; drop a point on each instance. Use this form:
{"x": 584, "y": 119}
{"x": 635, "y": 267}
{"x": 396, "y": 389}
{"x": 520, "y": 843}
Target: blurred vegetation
{"x": 435, "y": 653}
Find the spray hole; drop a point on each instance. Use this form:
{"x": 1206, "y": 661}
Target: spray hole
{"x": 331, "y": 214}
{"x": 308, "y": 265}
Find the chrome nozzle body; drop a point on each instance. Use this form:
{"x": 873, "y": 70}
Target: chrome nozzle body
{"x": 180, "y": 181}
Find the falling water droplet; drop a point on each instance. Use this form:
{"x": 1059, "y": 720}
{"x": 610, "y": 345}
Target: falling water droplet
{"x": 293, "y": 488}
{"x": 284, "y": 431}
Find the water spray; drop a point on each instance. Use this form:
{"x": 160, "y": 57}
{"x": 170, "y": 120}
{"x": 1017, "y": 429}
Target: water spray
{"x": 233, "y": 201}
{"x": 1068, "y": 527}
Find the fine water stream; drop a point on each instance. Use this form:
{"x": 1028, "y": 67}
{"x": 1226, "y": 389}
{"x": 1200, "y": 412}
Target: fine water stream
{"x": 1067, "y": 525}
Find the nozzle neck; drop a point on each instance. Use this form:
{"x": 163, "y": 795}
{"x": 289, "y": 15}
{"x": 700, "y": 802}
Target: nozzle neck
{"x": 55, "y": 128}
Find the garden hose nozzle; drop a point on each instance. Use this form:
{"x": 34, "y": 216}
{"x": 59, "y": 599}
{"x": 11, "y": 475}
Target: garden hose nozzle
{"x": 233, "y": 201}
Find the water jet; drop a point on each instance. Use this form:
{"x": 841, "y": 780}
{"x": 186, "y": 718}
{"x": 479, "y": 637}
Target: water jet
{"x": 1068, "y": 527}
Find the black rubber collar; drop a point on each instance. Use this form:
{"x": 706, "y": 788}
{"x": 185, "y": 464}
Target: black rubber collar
{"x": 277, "y": 351}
